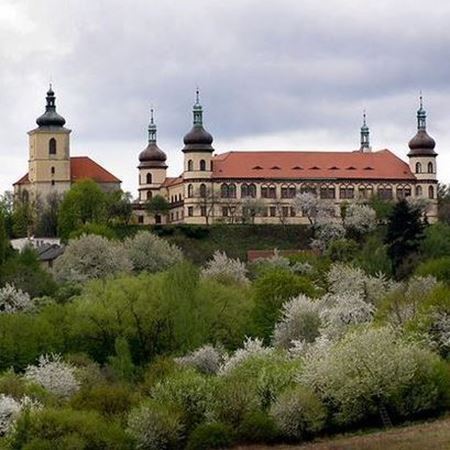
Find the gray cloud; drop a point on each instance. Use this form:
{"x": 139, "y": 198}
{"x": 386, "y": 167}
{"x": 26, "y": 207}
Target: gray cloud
{"x": 291, "y": 74}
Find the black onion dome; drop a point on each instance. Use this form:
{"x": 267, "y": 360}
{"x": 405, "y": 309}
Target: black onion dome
{"x": 422, "y": 144}
{"x": 198, "y": 139}
{"x": 152, "y": 156}
{"x": 50, "y": 118}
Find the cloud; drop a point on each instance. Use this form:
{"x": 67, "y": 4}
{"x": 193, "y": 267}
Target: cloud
{"x": 287, "y": 74}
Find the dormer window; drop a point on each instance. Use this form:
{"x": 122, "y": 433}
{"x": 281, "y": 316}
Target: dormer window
{"x": 315, "y": 168}
{"x": 297, "y": 168}
{"x": 334, "y": 168}
{"x": 368, "y": 168}
{"x": 257, "y": 168}
{"x": 275, "y": 168}
{"x": 351, "y": 168}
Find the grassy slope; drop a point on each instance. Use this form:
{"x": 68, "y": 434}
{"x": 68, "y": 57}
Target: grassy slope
{"x": 426, "y": 436}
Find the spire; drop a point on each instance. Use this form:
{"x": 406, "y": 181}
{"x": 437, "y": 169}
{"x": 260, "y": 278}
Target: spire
{"x": 152, "y": 128}
{"x": 198, "y": 110}
{"x": 50, "y": 118}
{"x": 365, "y": 133}
{"x": 421, "y": 115}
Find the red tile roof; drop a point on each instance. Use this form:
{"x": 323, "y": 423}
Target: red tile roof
{"x": 83, "y": 167}
{"x": 172, "y": 181}
{"x": 382, "y": 164}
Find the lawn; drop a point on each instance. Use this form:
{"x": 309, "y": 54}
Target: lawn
{"x": 426, "y": 436}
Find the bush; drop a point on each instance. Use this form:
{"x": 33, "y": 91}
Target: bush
{"x": 258, "y": 427}
{"x": 299, "y": 413}
{"x": 437, "y": 241}
{"x": 210, "y": 436}
{"x": 68, "y": 429}
{"x": 343, "y": 250}
{"x": 150, "y": 253}
{"x": 438, "y": 268}
{"x": 206, "y": 359}
{"x": 156, "y": 427}
{"x": 98, "y": 229}
{"x": 225, "y": 269}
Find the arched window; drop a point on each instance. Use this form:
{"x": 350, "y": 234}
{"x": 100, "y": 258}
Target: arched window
{"x": 268, "y": 191}
{"x": 244, "y": 191}
{"x": 232, "y": 191}
{"x": 149, "y": 178}
{"x": 52, "y": 170}
{"x": 327, "y": 192}
{"x": 403, "y": 191}
{"x": 418, "y": 191}
{"x": 224, "y": 190}
{"x": 430, "y": 167}
{"x": 288, "y": 191}
{"x": 52, "y": 146}
{"x": 430, "y": 192}
{"x": 202, "y": 164}
{"x": 203, "y": 190}
{"x": 149, "y": 195}
{"x": 190, "y": 165}
{"x": 418, "y": 167}
{"x": 385, "y": 192}
{"x": 252, "y": 190}
{"x": 190, "y": 190}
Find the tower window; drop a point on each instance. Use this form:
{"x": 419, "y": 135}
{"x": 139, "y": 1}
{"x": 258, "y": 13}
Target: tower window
{"x": 53, "y": 182}
{"x": 202, "y": 164}
{"x": 52, "y": 170}
{"x": 52, "y": 146}
{"x": 418, "y": 191}
{"x": 190, "y": 166}
{"x": 149, "y": 178}
{"x": 430, "y": 167}
{"x": 190, "y": 191}
{"x": 431, "y": 192}
{"x": 203, "y": 191}
{"x": 418, "y": 167}
{"x": 149, "y": 195}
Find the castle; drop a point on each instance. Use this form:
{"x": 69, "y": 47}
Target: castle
{"x": 236, "y": 186}
{"x": 51, "y": 169}
{"x": 260, "y": 186}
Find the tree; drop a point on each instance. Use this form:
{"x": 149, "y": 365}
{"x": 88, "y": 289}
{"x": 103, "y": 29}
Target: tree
{"x": 4, "y": 241}
{"x": 118, "y": 207}
{"x": 405, "y": 232}
{"x": 6, "y": 210}
{"x": 251, "y": 208}
{"x": 22, "y": 218}
{"x": 313, "y": 208}
{"x": 157, "y": 206}
{"x": 444, "y": 203}
{"x": 84, "y": 203}
{"x": 207, "y": 200}
{"x": 47, "y": 216}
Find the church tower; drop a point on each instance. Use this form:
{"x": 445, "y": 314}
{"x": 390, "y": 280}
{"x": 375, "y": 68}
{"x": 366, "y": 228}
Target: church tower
{"x": 422, "y": 158}
{"x": 365, "y": 137}
{"x": 49, "y": 152}
{"x": 152, "y": 165}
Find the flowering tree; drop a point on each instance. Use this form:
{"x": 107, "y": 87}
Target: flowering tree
{"x": 225, "y": 269}
{"x": 300, "y": 321}
{"x": 360, "y": 218}
{"x": 54, "y": 375}
{"x": 314, "y": 208}
{"x": 10, "y": 410}
{"x": 151, "y": 253}
{"x": 206, "y": 359}
{"x": 90, "y": 257}
{"x": 13, "y": 300}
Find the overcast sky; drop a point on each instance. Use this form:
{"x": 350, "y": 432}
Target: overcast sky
{"x": 284, "y": 74}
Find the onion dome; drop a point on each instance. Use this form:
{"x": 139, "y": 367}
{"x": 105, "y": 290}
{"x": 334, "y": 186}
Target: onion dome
{"x": 422, "y": 144}
{"x": 152, "y": 155}
{"x": 198, "y": 139}
{"x": 50, "y": 118}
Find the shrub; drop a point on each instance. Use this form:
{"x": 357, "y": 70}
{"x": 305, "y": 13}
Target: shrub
{"x": 9, "y": 413}
{"x": 438, "y": 268}
{"x": 225, "y": 269}
{"x": 299, "y": 413}
{"x": 54, "y": 375}
{"x": 65, "y": 428}
{"x": 151, "y": 253}
{"x": 258, "y": 427}
{"x": 206, "y": 359}
{"x": 437, "y": 241}
{"x": 98, "y": 229}
{"x": 156, "y": 427}
{"x": 300, "y": 321}
{"x": 343, "y": 250}
{"x": 360, "y": 218}
{"x": 210, "y": 436}
{"x": 13, "y": 300}
{"x": 90, "y": 257}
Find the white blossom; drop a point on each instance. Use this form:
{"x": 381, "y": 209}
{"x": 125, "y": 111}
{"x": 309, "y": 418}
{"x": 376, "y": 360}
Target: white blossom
{"x": 206, "y": 359}
{"x": 275, "y": 261}
{"x": 440, "y": 330}
{"x": 300, "y": 321}
{"x": 14, "y": 300}
{"x": 151, "y": 253}
{"x": 90, "y": 257}
{"x": 223, "y": 268}
{"x": 361, "y": 218}
{"x": 10, "y": 410}
{"x": 314, "y": 208}
{"x": 252, "y": 347}
{"x": 327, "y": 232}
{"x": 54, "y": 375}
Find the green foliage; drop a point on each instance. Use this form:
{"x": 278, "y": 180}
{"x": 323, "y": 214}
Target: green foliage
{"x": 382, "y": 208}
{"x": 122, "y": 362}
{"x": 210, "y": 436}
{"x": 343, "y": 250}
{"x": 373, "y": 257}
{"x": 22, "y": 218}
{"x": 98, "y": 229}
{"x": 157, "y": 205}
{"x": 438, "y": 268}
{"x": 404, "y": 236}
{"x": 437, "y": 241}
{"x": 4, "y": 241}
{"x": 118, "y": 207}
{"x": 271, "y": 290}
{"x": 47, "y": 216}
{"x": 69, "y": 429}
{"x": 258, "y": 427}
{"x": 83, "y": 203}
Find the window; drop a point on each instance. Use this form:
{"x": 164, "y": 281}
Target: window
{"x": 268, "y": 191}
{"x": 385, "y": 192}
{"x": 403, "y": 192}
{"x": 53, "y": 182}
{"x": 190, "y": 211}
{"x": 285, "y": 211}
{"x": 273, "y": 211}
{"x": 157, "y": 219}
{"x": 149, "y": 195}
{"x": 418, "y": 167}
{"x": 149, "y": 178}
{"x": 292, "y": 210}
{"x": 203, "y": 211}
{"x": 224, "y": 211}
{"x": 430, "y": 167}
{"x": 346, "y": 192}
{"x": 365, "y": 192}
{"x": 305, "y": 189}
{"x": 52, "y": 171}
{"x": 327, "y": 192}
{"x": 288, "y": 191}
{"x": 202, "y": 164}
{"x": 248, "y": 190}
{"x": 419, "y": 191}
{"x": 431, "y": 192}
{"x": 228, "y": 190}
{"x": 52, "y": 146}
{"x": 203, "y": 191}
{"x": 190, "y": 191}
{"x": 190, "y": 166}
{"x": 141, "y": 219}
